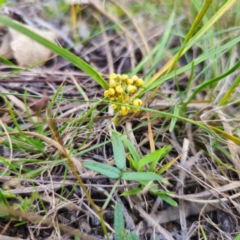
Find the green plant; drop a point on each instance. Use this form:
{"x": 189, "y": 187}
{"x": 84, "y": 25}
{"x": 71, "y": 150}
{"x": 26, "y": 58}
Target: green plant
{"x": 213, "y": 42}
{"x": 144, "y": 170}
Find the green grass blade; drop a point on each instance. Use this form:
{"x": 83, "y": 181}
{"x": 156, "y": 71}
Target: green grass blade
{"x": 231, "y": 89}
{"x": 213, "y": 80}
{"x": 174, "y": 120}
{"x": 193, "y": 28}
{"x": 131, "y": 148}
{"x": 152, "y": 157}
{"x": 167, "y": 199}
{"x": 56, "y": 49}
{"x": 237, "y": 237}
{"x": 228, "y": 4}
{"x": 148, "y": 86}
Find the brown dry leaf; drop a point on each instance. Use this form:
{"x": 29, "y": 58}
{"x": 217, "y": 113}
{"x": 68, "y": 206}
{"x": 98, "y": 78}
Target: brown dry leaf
{"x": 24, "y": 50}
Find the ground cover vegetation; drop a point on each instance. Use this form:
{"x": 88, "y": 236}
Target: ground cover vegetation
{"x": 119, "y": 120}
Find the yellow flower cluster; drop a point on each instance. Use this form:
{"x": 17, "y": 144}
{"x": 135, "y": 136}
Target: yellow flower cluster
{"x": 121, "y": 88}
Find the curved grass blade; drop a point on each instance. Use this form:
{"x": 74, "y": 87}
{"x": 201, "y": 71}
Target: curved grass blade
{"x": 56, "y": 49}
{"x": 231, "y": 89}
{"x": 167, "y": 199}
{"x": 213, "y": 80}
{"x": 228, "y": 4}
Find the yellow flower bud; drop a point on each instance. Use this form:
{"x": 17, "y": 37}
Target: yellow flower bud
{"x": 135, "y": 110}
{"x": 119, "y": 77}
{"x": 129, "y": 81}
{"x": 111, "y": 91}
{"x": 139, "y": 82}
{"x": 137, "y": 102}
{"x": 112, "y": 83}
{"x": 124, "y": 113}
{"x": 134, "y": 78}
{"x": 131, "y": 88}
{"x": 124, "y": 77}
{"x": 112, "y": 98}
{"x": 106, "y": 93}
{"x": 114, "y": 106}
{"x": 126, "y": 99}
{"x": 124, "y": 108}
{"x": 119, "y": 89}
{"x": 113, "y": 76}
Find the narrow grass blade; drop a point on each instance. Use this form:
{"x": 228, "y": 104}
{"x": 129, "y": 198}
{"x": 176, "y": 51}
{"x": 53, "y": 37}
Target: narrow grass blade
{"x": 56, "y": 49}
{"x": 193, "y": 28}
{"x": 163, "y": 153}
{"x": 168, "y": 165}
{"x": 225, "y": 134}
{"x": 133, "y": 163}
{"x": 7, "y": 62}
{"x": 131, "y": 148}
{"x": 174, "y": 120}
{"x": 167, "y": 199}
{"x": 203, "y": 233}
{"x": 228, "y": 4}
{"x": 231, "y": 89}
{"x": 3, "y": 200}
{"x": 237, "y": 237}
{"x": 152, "y": 157}
{"x": 213, "y": 80}
{"x": 118, "y": 222}
{"x": 118, "y": 150}
{"x": 104, "y": 169}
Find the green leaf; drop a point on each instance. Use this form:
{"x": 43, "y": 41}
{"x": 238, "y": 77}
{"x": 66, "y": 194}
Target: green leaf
{"x": 237, "y": 237}
{"x": 153, "y": 157}
{"x": 163, "y": 152}
{"x": 174, "y": 120}
{"x": 3, "y": 200}
{"x": 78, "y": 62}
{"x": 131, "y": 148}
{"x": 132, "y": 192}
{"x": 167, "y": 199}
{"x": 102, "y": 168}
{"x": 6, "y": 61}
{"x": 118, "y": 150}
{"x": 139, "y": 176}
{"x": 133, "y": 163}
{"x": 118, "y": 222}
{"x": 168, "y": 165}
{"x": 132, "y": 236}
